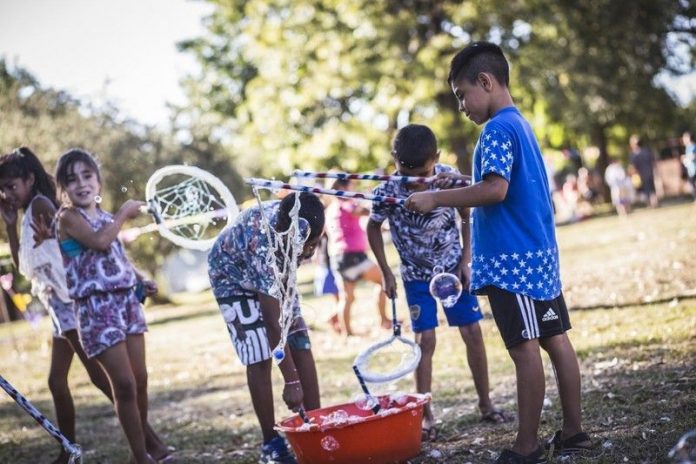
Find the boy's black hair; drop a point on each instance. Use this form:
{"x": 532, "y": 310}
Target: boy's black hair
{"x": 414, "y": 145}
{"x": 311, "y": 209}
{"x": 479, "y": 57}
{"x": 20, "y": 164}
{"x": 68, "y": 159}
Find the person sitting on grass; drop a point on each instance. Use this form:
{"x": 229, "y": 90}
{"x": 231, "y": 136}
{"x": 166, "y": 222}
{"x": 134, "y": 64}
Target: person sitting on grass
{"x": 424, "y": 241}
{"x": 514, "y": 249}
{"x": 242, "y": 281}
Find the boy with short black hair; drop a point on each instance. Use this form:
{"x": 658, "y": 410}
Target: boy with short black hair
{"x": 514, "y": 249}
{"x": 424, "y": 241}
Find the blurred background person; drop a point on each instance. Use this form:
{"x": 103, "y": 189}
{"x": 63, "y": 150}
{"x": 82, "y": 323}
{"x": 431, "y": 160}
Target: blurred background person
{"x": 620, "y": 187}
{"x": 643, "y": 164}
{"x": 688, "y": 158}
{"x": 348, "y": 256}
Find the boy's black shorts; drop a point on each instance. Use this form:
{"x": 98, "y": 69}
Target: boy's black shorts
{"x": 520, "y": 318}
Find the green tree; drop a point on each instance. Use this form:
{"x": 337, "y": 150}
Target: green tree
{"x": 322, "y": 83}
{"x": 51, "y": 121}
{"x": 594, "y": 63}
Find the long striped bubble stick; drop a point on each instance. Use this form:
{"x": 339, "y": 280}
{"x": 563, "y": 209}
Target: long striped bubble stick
{"x": 379, "y": 177}
{"x": 276, "y": 184}
{"x": 71, "y": 448}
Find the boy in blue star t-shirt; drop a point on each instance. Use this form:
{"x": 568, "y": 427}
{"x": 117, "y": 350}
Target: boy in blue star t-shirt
{"x": 514, "y": 249}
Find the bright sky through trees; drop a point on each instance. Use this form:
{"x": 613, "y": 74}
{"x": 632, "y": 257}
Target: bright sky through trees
{"x": 124, "y": 50}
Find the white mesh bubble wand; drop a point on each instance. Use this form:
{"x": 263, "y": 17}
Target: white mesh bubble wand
{"x": 408, "y": 363}
{"x": 284, "y": 249}
{"x": 190, "y": 207}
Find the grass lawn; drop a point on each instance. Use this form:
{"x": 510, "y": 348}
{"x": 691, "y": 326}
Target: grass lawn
{"x": 631, "y": 286}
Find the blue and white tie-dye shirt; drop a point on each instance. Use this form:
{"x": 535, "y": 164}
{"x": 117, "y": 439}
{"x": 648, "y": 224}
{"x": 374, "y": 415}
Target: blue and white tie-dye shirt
{"x": 237, "y": 262}
{"x": 422, "y": 240}
{"x": 513, "y": 242}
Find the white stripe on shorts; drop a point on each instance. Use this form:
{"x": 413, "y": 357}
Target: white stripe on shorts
{"x": 533, "y": 317}
{"x": 531, "y": 324}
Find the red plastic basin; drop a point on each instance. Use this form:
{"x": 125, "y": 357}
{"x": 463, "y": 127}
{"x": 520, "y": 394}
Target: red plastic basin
{"x": 392, "y": 435}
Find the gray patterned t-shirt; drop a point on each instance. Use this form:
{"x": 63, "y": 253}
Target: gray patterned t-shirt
{"x": 422, "y": 240}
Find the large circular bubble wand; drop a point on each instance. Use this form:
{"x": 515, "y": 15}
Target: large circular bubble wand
{"x": 410, "y": 357}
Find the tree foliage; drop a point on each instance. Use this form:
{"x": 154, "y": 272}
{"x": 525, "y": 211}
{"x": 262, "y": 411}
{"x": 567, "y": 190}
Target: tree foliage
{"x": 51, "y": 121}
{"x": 324, "y": 83}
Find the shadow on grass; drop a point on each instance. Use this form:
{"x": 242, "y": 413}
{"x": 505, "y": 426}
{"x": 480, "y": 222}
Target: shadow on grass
{"x": 637, "y": 401}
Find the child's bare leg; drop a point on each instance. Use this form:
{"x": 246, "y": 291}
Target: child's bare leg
{"x": 424, "y": 372}
{"x": 565, "y": 362}
{"x": 478, "y": 364}
{"x": 374, "y": 275}
{"x": 116, "y": 363}
{"x": 93, "y": 368}
{"x": 307, "y": 371}
{"x": 101, "y": 381}
{"x": 529, "y": 371}
{"x": 261, "y": 390}
{"x": 345, "y": 304}
{"x": 61, "y": 359}
{"x": 136, "y": 352}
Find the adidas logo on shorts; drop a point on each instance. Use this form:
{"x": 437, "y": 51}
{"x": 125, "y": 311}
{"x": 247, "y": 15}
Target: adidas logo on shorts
{"x": 549, "y": 316}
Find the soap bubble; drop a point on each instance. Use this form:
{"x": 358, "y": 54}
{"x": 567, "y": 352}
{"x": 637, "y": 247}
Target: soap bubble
{"x": 329, "y": 443}
{"x": 365, "y": 402}
{"x": 445, "y": 287}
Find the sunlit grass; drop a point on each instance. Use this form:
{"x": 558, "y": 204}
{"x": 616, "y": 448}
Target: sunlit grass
{"x": 638, "y": 362}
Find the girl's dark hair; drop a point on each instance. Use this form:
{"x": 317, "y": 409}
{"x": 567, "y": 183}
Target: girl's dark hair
{"x": 477, "y": 58}
{"x": 20, "y": 164}
{"x": 68, "y": 159}
{"x": 414, "y": 145}
{"x": 310, "y": 208}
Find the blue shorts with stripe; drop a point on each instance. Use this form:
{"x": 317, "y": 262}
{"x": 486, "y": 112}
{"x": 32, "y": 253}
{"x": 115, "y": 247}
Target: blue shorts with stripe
{"x": 423, "y": 307}
{"x": 520, "y": 318}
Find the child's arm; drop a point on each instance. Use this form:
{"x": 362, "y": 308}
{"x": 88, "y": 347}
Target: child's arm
{"x": 492, "y": 189}
{"x": 292, "y": 392}
{"x": 464, "y": 270}
{"x": 149, "y": 285}
{"x": 9, "y": 215}
{"x": 449, "y": 179}
{"x": 74, "y": 225}
{"x": 374, "y": 237}
{"x": 42, "y": 213}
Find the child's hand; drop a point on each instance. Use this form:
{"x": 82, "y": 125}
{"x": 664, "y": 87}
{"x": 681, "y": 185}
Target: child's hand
{"x": 131, "y": 208}
{"x": 150, "y": 287}
{"x": 445, "y": 180}
{"x": 42, "y": 230}
{"x": 8, "y": 212}
{"x": 464, "y": 274}
{"x": 421, "y": 202}
{"x": 293, "y": 395}
{"x": 389, "y": 284}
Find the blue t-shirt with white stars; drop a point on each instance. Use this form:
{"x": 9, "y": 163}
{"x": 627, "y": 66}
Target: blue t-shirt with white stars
{"x": 514, "y": 242}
